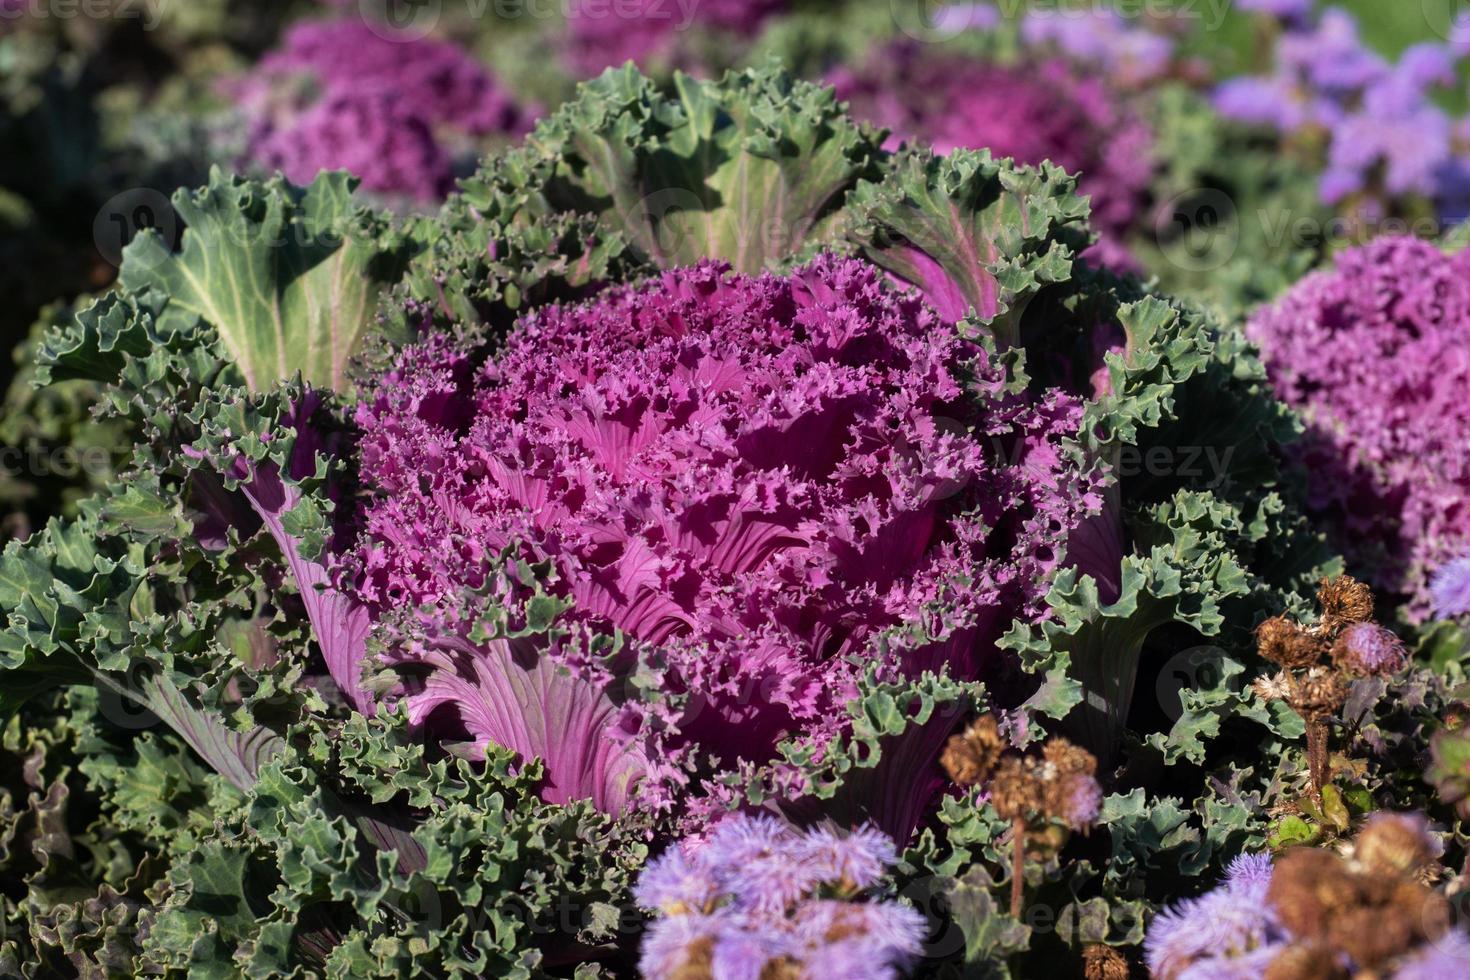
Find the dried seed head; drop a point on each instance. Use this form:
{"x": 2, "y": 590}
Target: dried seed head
{"x": 1394, "y": 844}
{"x": 1309, "y": 889}
{"x": 1103, "y": 963}
{"x": 1286, "y": 644}
{"x": 1068, "y": 759}
{"x": 1320, "y": 694}
{"x": 1345, "y": 601}
{"x": 1016, "y": 791}
{"x": 1393, "y": 917}
{"x": 970, "y": 756}
{"x": 1275, "y": 687}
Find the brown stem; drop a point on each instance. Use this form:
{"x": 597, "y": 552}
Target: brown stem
{"x": 1018, "y": 865}
{"x": 1317, "y": 754}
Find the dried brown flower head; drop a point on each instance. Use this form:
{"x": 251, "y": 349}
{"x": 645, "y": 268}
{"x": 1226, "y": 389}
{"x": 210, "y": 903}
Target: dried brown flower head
{"x": 1394, "y": 917}
{"x": 1309, "y": 888}
{"x": 1394, "y": 844}
{"x": 1273, "y": 687}
{"x": 970, "y": 756}
{"x": 1067, "y": 759}
{"x": 1103, "y": 963}
{"x": 1345, "y": 601}
{"x": 1371, "y": 916}
{"x": 1015, "y": 790}
{"x": 1320, "y": 694}
{"x": 1286, "y": 644}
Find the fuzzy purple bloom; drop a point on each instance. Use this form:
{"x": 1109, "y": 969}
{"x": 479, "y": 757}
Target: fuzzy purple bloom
{"x": 1294, "y": 10}
{"x": 1386, "y": 136}
{"x": 1369, "y": 650}
{"x": 1200, "y": 937}
{"x": 1082, "y": 802}
{"x": 1372, "y": 353}
{"x": 1122, "y": 48}
{"x": 749, "y": 476}
{"x": 756, "y": 922}
{"x": 338, "y": 95}
{"x": 1250, "y": 872}
{"x": 1450, "y": 589}
{"x": 1031, "y": 113}
{"x": 1440, "y": 959}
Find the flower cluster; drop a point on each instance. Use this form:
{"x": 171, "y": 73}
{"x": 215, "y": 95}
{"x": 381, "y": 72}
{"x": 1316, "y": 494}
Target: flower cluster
{"x": 1039, "y": 795}
{"x": 1030, "y": 112}
{"x": 1318, "y": 663}
{"x": 1385, "y": 136}
{"x": 1313, "y": 913}
{"x": 605, "y": 34}
{"x": 759, "y": 899}
{"x": 1122, "y": 48}
{"x": 1372, "y": 353}
{"x": 759, "y": 476}
{"x": 341, "y": 95}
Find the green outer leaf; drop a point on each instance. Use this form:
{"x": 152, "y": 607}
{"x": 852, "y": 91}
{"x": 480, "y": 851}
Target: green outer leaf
{"x": 289, "y": 277}
{"x": 997, "y": 232}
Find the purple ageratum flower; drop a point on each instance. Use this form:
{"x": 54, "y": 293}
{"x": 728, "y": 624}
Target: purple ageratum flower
{"x": 1450, "y": 589}
{"x": 748, "y": 934}
{"x": 1438, "y": 959}
{"x": 1331, "y": 58}
{"x": 1082, "y": 802}
{"x": 1372, "y": 353}
{"x": 340, "y": 95}
{"x": 758, "y": 862}
{"x": 607, "y": 33}
{"x": 1032, "y": 113}
{"x": 1397, "y": 129}
{"x": 1292, "y": 10}
{"x": 1122, "y": 48}
{"x": 1369, "y": 650}
{"x": 748, "y": 474}
{"x": 1273, "y": 101}
{"x": 1250, "y": 872}
{"x": 677, "y": 884}
{"x": 858, "y": 859}
{"x": 1203, "y": 934}
{"x": 677, "y": 944}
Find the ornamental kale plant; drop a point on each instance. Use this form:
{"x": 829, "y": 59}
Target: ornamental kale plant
{"x": 1370, "y": 351}
{"x": 350, "y": 95}
{"x": 603, "y": 34}
{"x": 706, "y": 463}
{"x": 1031, "y": 112}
